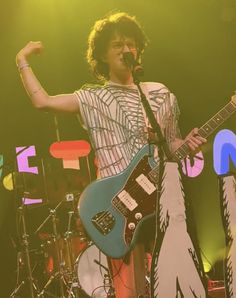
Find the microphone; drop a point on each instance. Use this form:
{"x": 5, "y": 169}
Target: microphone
{"x": 133, "y": 64}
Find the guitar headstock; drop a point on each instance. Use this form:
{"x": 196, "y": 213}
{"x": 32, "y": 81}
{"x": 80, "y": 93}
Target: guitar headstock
{"x": 233, "y": 99}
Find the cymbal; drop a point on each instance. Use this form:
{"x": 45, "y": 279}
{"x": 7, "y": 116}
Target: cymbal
{"x": 61, "y": 185}
{"x": 54, "y": 187}
{"x": 28, "y": 185}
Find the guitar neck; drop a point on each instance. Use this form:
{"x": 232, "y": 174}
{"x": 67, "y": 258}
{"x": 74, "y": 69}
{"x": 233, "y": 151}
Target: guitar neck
{"x": 207, "y": 129}
{"x": 204, "y": 131}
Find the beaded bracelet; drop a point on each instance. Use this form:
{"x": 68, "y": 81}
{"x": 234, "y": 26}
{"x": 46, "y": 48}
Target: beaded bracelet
{"x": 23, "y": 66}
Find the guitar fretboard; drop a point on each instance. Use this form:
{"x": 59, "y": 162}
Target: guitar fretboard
{"x": 204, "y": 131}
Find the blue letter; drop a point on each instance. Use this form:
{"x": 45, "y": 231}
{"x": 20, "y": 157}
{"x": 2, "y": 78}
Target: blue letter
{"x": 224, "y": 148}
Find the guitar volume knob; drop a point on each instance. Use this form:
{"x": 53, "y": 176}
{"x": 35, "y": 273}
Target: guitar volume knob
{"x": 131, "y": 226}
{"x": 138, "y": 216}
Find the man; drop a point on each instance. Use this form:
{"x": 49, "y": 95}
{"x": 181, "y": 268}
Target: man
{"x": 113, "y": 115}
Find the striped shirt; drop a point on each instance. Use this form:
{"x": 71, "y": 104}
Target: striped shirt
{"x": 116, "y": 122}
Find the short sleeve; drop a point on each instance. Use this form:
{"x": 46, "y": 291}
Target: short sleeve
{"x": 81, "y": 98}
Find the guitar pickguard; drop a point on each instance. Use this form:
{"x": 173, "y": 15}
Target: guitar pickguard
{"x": 141, "y": 189}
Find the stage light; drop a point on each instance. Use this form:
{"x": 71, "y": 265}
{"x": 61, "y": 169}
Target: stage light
{"x": 206, "y": 266}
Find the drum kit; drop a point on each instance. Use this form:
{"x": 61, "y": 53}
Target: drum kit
{"x": 56, "y": 258}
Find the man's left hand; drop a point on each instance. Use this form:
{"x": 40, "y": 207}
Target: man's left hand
{"x": 194, "y": 140}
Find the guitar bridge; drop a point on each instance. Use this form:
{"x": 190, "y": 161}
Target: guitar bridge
{"x": 104, "y": 222}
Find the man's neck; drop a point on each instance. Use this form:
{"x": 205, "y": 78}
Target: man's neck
{"x": 122, "y": 79}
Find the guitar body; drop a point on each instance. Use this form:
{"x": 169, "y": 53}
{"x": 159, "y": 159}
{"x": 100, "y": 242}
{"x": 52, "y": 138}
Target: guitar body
{"x": 113, "y": 208}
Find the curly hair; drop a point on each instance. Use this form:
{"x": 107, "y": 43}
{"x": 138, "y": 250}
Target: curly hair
{"x": 102, "y": 32}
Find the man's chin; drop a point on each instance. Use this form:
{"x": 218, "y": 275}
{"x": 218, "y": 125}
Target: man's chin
{"x": 125, "y": 68}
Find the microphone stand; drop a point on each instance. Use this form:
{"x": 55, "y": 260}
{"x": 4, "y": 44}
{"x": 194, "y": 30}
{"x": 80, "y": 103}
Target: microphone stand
{"x": 161, "y": 142}
{"x": 163, "y": 151}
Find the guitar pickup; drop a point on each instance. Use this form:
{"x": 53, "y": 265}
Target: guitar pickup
{"x": 104, "y": 222}
{"x": 120, "y": 206}
{"x": 127, "y": 200}
{"x": 146, "y": 184}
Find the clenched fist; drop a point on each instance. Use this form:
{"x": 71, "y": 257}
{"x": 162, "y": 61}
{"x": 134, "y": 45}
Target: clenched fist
{"x": 32, "y": 47}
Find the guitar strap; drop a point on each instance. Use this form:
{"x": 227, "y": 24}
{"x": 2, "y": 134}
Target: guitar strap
{"x": 164, "y": 115}
{"x": 147, "y": 129}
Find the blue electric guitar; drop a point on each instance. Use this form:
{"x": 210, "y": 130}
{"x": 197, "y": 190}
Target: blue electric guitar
{"x": 112, "y": 209}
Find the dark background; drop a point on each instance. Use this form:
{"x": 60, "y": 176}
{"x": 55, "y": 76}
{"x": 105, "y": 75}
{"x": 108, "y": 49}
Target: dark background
{"x": 192, "y": 50}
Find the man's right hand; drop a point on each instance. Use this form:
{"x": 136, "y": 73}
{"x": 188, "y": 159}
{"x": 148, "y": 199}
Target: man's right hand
{"x": 32, "y": 47}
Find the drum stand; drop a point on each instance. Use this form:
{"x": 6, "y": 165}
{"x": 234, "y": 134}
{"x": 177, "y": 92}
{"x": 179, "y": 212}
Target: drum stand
{"x": 107, "y": 280}
{"x": 25, "y": 244}
{"x": 73, "y": 280}
{"x": 59, "y": 273}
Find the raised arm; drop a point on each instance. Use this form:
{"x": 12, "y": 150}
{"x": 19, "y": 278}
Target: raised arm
{"x": 38, "y": 96}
